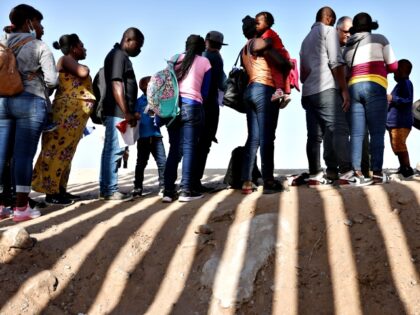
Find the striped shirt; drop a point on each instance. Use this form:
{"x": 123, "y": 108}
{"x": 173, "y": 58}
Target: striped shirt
{"x": 373, "y": 60}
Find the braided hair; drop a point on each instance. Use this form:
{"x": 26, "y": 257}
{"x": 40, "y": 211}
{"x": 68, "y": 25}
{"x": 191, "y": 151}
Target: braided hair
{"x": 195, "y": 45}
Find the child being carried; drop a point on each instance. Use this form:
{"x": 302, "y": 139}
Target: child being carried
{"x": 264, "y": 22}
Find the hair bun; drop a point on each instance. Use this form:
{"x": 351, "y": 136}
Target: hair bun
{"x": 56, "y": 45}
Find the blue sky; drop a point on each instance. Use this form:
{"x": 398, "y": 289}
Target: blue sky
{"x": 167, "y": 24}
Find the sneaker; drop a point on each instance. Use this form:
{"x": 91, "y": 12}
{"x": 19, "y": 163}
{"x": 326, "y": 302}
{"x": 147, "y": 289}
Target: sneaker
{"x": 186, "y": 196}
{"x": 272, "y": 187}
{"x": 285, "y": 100}
{"x": 24, "y": 215}
{"x": 298, "y": 180}
{"x": 346, "y": 178}
{"x": 137, "y": 192}
{"x": 332, "y": 174}
{"x": 70, "y": 196}
{"x": 9, "y": 201}
{"x": 358, "y": 180}
{"x": 57, "y": 199}
{"x": 316, "y": 176}
{"x": 5, "y": 212}
{"x": 277, "y": 95}
{"x": 318, "y": 179}
{"x": 116, "y": 196}
{"x": 36, "y": 204}
{"x": 169, "y": 196}
{"x": 407, "y": 172}
{"x": 203, "y": 189}
{"x": 161, "y": 191}
{"x": 380, "y": 178}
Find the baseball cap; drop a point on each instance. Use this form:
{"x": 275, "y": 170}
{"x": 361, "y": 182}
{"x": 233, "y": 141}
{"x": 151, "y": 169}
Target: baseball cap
{"x": 215, "y": 36}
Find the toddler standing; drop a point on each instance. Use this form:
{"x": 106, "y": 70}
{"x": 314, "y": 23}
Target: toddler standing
{"x": 400, "y": 116}
{"x": 150, "y": 141}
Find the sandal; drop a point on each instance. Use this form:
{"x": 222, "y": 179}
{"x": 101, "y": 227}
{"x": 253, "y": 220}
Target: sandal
{"x": 248, "y": 187}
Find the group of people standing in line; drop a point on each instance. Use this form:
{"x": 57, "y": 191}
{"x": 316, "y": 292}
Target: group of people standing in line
{"x": 339, "y": 104}
{"x": 345, "y": 88}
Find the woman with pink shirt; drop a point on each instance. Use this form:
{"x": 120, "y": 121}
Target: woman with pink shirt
{"x": 193, "y": 73}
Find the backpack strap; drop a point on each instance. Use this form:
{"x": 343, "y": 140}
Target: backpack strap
{"x": 174, "y": 60}
{"x": 247, "y": 53}
{"x": 21, "y": 43}
{"x": 18, "y": 44}
{"x": 237, "y": 58}
{"x": 354, "y": 54}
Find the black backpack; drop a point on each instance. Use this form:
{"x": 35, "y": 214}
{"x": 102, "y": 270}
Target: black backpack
{"x": 233, "y": 173}
{"x": 99, "y": 89}
{"x": 416, "y": 114}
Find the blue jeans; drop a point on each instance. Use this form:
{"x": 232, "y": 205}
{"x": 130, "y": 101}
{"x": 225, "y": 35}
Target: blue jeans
{"x": 184, "y": 134}
{"x": 111, "y": 153}
{"x": 326, "y": 121}
{"x": 21, "y": 121}
{"x": 369, "y": 107}
{"x": 262, "y": 116}
{"x": 145, "y": 146}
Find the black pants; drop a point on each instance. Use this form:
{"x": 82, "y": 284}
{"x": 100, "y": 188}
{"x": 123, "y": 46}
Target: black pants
{"x": 145, "y": 146}
{"x": 207, "y": 136}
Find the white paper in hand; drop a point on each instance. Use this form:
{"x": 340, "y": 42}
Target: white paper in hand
{"x": 127, "y": 135}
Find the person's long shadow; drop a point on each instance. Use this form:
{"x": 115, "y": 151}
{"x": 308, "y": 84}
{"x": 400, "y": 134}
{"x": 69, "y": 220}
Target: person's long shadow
{"x": 263, "y": 295}
{"x": 143, "y": 285}
{"x": 88, "y": 205}
{"x": 85, "y": 191}
{"x": 402, "y": 198}
{"x": 90, "y": 187}
{"x": 314, "y": 270}
{"x": 60, "y": 214}
{"x": 221, "y": 220}
{"x": 81, "y": 294}
{"x": 371, "y": 258}
{"x": 51, "y": 249}
{"x": 85, "y": 188}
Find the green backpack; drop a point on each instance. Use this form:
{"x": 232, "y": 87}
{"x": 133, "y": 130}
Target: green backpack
{"x": 163, "y": 92}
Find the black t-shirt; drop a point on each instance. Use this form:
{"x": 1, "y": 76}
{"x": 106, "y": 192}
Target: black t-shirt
{"x": 118, "y": 67}
{"x": 217, "y": 75}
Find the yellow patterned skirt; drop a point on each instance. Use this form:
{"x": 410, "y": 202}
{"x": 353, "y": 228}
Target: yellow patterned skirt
{"x": 53, "y": 166}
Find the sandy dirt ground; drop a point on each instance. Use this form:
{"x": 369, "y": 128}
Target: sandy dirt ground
{"x": 335, "y": 250}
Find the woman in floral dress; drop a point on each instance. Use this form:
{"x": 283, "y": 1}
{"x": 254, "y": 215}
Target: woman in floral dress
{"x": 71, "y": 108}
